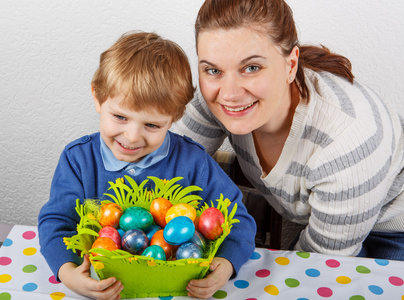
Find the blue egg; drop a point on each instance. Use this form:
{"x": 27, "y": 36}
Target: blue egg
{"x": 154, "y": 251}
{"x": 121, "y": 232}
{"x": 189, "y": 250}
{"x": 199, "y": 240}
{"x": 152, "y": 230}
{"x": 136, "y": 218}
{"x": 179, "y": 230}
{"x": 135, "y": 241}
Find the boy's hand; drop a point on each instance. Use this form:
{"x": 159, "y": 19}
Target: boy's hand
{"x": 77, "y": 278}
{"x": 221, "y": 270}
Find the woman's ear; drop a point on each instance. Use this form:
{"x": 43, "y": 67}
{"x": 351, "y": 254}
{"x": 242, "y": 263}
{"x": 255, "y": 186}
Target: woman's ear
{"x": 96, "y": 102}
{"x": 293, "y": 62}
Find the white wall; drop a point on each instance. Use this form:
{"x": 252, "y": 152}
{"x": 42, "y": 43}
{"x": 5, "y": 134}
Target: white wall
{"x": 50, "y": 49}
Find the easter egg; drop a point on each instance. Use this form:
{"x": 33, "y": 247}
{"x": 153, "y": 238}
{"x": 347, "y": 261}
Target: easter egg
{"x": 158, "y": 209}
{"x": 158, "y": 239}
{"x": 121, "y": 232}
{"x": 112, "y": 233}
{"x": 154, "y": 251}
{"x": 179, "y": 230}
{"x": 136, "y": 218}
{"x": 152, "y": 230}
{"x": 189, "y": 250}
{"x": 199, "y": 240}
{"x": 104, "y": 243}
{"x": 210, "y": 223}
{"x": 110, "y": 214}
{"x": 181, "y": 209}
{"x": 135, "y": 241}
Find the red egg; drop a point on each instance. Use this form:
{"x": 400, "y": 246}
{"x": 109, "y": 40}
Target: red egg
{"x": 158, "y": 239}
{"x": 210, "y": 223}
{"x": 158, "y": 209}
{"x": 110, "y": 214}
{"x": 112, "y": 233}
{"x": 104, "y": 243}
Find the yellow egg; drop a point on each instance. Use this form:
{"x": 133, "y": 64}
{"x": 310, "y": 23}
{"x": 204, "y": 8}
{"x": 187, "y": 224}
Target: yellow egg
{"x": 181, "y": 209}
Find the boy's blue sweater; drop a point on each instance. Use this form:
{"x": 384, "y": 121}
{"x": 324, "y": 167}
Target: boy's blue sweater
{"x": 80, "y": 174}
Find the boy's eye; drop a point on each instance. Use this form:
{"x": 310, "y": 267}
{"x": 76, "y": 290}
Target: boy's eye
{"x": 120, "y": 117}
{"x": 213, "y": 71}
{"x": 152, "y": 125}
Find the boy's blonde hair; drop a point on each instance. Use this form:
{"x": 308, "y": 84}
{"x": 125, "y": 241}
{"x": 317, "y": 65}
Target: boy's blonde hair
{"x": 149, "y": 71}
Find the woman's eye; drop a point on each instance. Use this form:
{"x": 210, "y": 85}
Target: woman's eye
{"x": 213, "y": 71}
{"x": 120, "y": 117}
{"x": 252, "y": 69}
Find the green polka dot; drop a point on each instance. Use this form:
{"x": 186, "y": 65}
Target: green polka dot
{"x": 218, "y": 295}
{"x": 5, "y": 296}
{"x": 291, "y": 282}
{"x": 29, "y": 269}
{"x": 357, "y": 297}
{"x": 303, "y": 254}
{"x": 362, "y": 270}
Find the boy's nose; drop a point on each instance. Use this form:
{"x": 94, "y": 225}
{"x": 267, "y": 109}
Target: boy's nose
{"x": 132, "y": 135}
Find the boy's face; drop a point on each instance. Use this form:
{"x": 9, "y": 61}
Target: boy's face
{"x": 131, "y": 135}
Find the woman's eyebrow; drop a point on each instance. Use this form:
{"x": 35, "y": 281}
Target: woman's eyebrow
{"x": 245, "y": 60}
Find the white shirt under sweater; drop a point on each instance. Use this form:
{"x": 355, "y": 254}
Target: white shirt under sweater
{"x": 340, "y": 171}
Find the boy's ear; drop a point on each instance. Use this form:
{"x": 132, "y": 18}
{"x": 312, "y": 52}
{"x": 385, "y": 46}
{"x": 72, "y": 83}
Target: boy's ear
{"x": 96, "y": 102}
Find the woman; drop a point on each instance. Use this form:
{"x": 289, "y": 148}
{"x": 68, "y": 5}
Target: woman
{"x": 324, "y": 150}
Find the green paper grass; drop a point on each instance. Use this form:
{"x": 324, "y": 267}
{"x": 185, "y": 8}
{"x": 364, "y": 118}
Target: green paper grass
{"x": 144, "y": 276}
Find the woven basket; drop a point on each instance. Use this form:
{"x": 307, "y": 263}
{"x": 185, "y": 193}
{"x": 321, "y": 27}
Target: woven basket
{"x": 144, "y": 276}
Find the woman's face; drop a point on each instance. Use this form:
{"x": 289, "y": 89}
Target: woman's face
{"x": 245, "y": 79}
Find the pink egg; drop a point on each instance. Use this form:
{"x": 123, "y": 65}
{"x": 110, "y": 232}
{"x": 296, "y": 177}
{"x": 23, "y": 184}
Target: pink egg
{"x": 112, "y": 233}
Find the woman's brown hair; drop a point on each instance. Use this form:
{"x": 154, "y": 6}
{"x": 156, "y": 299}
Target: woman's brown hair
{"x": 274, "y": 18}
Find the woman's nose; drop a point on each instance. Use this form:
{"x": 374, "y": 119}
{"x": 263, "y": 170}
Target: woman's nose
{"x": 231, "y": 88}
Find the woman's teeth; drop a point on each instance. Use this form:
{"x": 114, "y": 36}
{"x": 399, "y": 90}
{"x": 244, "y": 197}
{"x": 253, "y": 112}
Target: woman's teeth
{"x": 238, "y": 108}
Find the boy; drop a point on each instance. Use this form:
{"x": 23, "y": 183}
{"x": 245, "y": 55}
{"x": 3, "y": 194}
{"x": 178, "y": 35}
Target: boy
{"x": 140, "y": 88}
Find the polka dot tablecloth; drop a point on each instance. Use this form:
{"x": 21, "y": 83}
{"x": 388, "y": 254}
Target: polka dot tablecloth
{"x": 268, "y": 274}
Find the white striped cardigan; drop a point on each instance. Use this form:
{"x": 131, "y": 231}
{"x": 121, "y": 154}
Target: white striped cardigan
{"x": 341, "y": 168}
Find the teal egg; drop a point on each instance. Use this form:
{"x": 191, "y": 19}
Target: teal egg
{"x": 135, "y": 218}
{"x": 154, "y": 251}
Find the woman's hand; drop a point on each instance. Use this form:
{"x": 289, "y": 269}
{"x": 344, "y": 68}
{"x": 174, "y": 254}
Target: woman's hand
{"x": 221, "y": 270}
{"x": 77, "y": 278}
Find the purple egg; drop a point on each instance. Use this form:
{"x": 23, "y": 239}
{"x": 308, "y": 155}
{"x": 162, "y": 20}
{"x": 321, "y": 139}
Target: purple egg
{"x": 189, "y": 250}
{"x": 199, "y": 240}
{"x": 135, "y": 241}
{"x": 179, "y": 230}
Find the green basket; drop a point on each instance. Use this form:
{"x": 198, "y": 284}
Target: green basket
{"x": 144, "y": 276}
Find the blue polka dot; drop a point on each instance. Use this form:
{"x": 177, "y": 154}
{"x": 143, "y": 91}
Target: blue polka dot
{"x": 165, "y": 298}
{"x": 382, "y": 262}
{"x": 29, "y": 287}
{"x": 7, "y": 243}
{"x": 377, "y": 290}
{"x": 302, "y": 299}
{"x": 312, "y": 272}
{"x": 241, "y": 284}
{"x": 255, "y": 255}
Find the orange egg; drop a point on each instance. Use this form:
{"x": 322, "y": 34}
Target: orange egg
{"x": 158, "y": 209}
{"x": 181, "y": 209}
{"x": 158, "y": 239}
{"x": 104, "y": 243}
{"x": 110, "y": 214}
